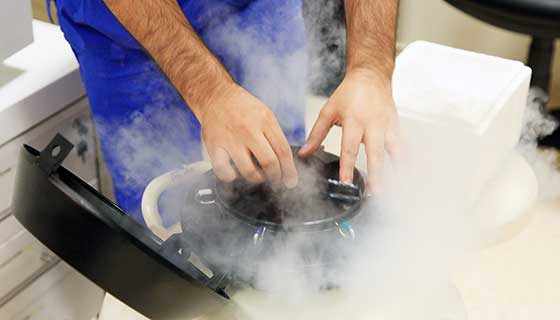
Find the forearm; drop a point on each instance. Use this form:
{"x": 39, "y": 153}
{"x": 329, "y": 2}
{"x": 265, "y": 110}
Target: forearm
{"x": 370, "y": 29}
{"x": 162, "y": 29}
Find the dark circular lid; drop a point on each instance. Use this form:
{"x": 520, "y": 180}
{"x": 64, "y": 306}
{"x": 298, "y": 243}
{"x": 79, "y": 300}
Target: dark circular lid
{"x": 317, "y": 201}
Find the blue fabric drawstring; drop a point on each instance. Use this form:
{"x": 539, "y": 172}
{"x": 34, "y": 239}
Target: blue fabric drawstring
{"x": 49, "y": 13}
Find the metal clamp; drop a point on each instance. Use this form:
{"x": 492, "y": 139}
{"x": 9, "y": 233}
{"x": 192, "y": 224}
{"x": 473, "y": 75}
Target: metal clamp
{"x": 54, "y": 153}
{"x": 205, "y": 196}
{"x": 259, "y": 234}
{"x": 345, "y": 229}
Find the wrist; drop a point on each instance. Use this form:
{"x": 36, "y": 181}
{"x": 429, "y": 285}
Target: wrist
{"x": 202, "y": 95}
{"x": 371, "y": 75}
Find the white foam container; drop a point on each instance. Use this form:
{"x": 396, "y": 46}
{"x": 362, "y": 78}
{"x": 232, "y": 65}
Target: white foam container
{"x": 469, "y": 104}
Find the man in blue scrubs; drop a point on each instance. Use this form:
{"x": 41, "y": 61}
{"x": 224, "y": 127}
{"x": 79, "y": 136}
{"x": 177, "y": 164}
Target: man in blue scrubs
{"x": 163, "y": 75}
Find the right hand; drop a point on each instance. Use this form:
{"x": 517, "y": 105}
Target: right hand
{"x": 238, "y": 126}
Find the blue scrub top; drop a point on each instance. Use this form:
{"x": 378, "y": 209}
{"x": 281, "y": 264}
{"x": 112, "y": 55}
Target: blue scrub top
{"x": 144, "y": 126}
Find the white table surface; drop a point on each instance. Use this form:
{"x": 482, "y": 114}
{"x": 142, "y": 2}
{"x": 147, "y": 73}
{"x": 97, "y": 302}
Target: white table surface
{"x": 517, "y": 280}
{"x": 37, "y": 81}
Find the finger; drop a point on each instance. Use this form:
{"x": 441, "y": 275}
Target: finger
{"x": 392, "y": 145}
{"x": 221, "y": 164}
{"x": 318, "y": 133}
{"x": 283, "y": 152}
{"x": 393, "y": 140}
{"x": 351, "y": 139}
{"x": 266, "y": 157}
{"x": 374, "y": 151}
{"x": 241, "y": 156}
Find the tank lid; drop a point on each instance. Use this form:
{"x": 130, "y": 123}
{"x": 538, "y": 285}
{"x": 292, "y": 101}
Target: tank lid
{"x": 99, "y": 240}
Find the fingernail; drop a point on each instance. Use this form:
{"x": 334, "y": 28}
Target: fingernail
{"x": 291, "y": 182}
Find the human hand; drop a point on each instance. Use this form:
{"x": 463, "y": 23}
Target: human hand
{"x": 237, "y": 126}
{"x": 363, "y": 106}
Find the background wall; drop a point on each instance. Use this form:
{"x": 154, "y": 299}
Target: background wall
{"x": 437, "y": 21}
{"x": 40, "y": 11}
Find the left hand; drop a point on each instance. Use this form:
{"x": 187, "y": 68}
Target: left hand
{"x": 363, "y": 106}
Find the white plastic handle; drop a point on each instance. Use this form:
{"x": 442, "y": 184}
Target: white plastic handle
{"x": 157, "y": 186}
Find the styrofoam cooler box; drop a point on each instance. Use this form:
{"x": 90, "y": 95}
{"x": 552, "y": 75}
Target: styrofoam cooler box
{"x": 467, "y": 108}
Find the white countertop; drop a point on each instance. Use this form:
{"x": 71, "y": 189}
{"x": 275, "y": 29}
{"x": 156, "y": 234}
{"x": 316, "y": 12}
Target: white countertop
{"x": 517, "y": 280}
{"x": 37, "y": 81}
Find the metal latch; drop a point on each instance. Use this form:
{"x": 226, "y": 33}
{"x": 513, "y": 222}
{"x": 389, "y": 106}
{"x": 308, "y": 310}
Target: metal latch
{"x": 54, "y": 154}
